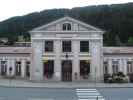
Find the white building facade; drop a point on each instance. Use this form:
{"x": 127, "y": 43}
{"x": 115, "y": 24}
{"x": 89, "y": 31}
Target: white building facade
{"x": 65, "y": 50}
{"x": 15, "y": 62}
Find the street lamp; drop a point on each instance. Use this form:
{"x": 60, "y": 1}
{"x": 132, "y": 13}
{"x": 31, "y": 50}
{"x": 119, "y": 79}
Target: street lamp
{"x": 66, "y": 55}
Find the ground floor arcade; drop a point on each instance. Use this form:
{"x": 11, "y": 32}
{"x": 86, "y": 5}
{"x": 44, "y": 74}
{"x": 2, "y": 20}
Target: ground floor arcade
{"x": 67, "y": 70}
{"x": 13, "y": 67}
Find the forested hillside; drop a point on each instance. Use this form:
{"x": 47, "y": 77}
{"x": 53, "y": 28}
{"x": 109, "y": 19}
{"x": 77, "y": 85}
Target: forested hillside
{"x": 116, "y": 20}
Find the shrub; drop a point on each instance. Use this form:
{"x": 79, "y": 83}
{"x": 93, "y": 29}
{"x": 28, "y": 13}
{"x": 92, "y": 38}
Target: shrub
{"x": 116, "y": 78}
{"x": 120, "y": 74}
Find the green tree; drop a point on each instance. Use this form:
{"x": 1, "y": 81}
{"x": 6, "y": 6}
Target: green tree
{"x": 130, "y": 41}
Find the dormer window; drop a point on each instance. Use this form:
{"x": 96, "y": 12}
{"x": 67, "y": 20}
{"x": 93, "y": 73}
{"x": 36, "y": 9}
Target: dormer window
{"x": 66, "y": 27}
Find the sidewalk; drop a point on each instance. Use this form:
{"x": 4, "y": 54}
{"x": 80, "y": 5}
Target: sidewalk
{"x": 26, "y": 83}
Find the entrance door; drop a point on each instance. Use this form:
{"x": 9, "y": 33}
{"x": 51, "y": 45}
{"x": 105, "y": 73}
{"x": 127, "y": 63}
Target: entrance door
{"x": 66, "y": 70}
{"x": 27, "y": 69}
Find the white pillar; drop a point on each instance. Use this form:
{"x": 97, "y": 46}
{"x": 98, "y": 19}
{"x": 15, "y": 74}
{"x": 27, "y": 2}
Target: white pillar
{"x": 110, "y": 66}
{"x": 8, "y": 66}
{"x": 57, "y": 69}
{"x": 120, "y": 65}
{"x": 23, "y": 68}
{"x": 13, "y": 66}
{"x": 125, "y": 66}
{"x": 75, "y": 67}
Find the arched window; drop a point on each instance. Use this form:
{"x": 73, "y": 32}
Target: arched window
{"x": 66, "y": 27}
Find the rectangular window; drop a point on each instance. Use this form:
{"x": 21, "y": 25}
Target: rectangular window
{"x": 105, "y": 67}
{"x": 66, "y": 46}
{"x": 115, "y": 66}
{"x": 84, "y": 46}
{"x": 3, "y": 67}
{"x": 129, "y": 67}
{"x": 48, "y": 68}
{"x": 48, "y": 46}
{"x": 18, "y": 68}
{"x": 66, "y": 27}
{"x": 27, "y": 69}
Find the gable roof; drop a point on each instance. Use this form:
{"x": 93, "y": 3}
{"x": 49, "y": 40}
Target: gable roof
{"x": 64, "y": 19}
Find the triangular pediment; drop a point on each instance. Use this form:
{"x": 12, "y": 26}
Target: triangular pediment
{"x": 76, "y": 25}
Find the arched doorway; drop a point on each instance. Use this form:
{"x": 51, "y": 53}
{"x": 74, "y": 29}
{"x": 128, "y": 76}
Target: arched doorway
{"x": 66, "y": 70}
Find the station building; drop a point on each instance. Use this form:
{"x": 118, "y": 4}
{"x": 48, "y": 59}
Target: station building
{"x": 65, "y": 50}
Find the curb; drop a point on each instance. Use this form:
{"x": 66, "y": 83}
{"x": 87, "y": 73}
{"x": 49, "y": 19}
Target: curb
{"x": 62, "y": 86}
{"x": 30, "y": 84}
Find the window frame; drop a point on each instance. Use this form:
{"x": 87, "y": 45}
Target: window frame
{"x": 115, "y": 67}
{"x": 81, "y": 49}
{"x": 18, "y": 65}
{"x": 66, "y": 26}
{"x": 129, "y": 67}
{"x": 51, "y": 50}
{"x": 3, "y": 68}
{"x": 63, "y": 48}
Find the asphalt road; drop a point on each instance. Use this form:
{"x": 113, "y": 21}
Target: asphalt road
{"x": 61, "y": 94}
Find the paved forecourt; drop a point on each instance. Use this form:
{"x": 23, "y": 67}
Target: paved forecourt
{"x": 88, "y": 94}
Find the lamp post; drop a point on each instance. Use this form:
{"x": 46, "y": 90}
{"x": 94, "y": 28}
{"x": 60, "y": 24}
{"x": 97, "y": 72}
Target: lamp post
{"x": 66, "y": 55}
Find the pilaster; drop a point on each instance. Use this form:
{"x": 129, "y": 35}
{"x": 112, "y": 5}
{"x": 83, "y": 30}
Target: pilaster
{"x": 120, "y": 65}
{"x": 57, "y": 69}
{"x": 125, "y": 66}
{"x": 23, "y": 68}
{"x": 75, "y": 67}
{"x": 13, "y": 66}
{"x": 37, "y": 64}
{"x": 8, "y": 66}
{"x": 110, "y": 66}
{"x": 96, "y": 60}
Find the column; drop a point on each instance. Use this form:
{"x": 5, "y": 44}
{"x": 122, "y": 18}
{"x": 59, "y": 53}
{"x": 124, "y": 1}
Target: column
{"x": 75, "y": 67}
{"x": 120, "y": 65}
{"x": 36, "y": 72}
{"x": 125, "y": 66}
{"x": 8, "y": 66}
{"x": 110, "y": 66}
{"x": 57, "y": 69}
{"x": 23, "y": 68}
{"x": 13, "y": 66}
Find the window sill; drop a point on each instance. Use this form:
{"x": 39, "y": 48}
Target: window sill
{"x": 84, "y": 53}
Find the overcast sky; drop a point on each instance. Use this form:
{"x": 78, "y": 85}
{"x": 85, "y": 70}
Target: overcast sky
{"x": 10, "y": 8}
